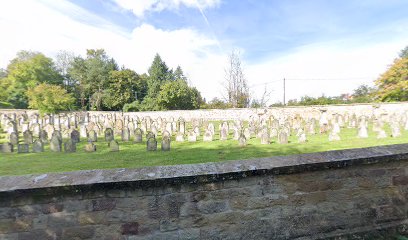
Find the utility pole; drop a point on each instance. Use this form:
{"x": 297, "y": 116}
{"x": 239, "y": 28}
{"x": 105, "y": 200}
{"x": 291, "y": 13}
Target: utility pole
{"x": 284, "y": 91}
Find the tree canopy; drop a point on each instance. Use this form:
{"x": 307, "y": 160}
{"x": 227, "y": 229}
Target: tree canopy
{"x": 49, "y": 98}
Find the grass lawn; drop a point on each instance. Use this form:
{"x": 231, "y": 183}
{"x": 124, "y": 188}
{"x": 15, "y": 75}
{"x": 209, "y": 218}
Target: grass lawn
{"x": 135, "y": 155}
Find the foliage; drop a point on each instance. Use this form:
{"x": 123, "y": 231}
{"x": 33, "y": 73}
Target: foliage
{"x": 178, "y": 95}
{"x": 26, "y": 71}
{"x": 363, "y": 94}
{"x": 48, "y": 98}
{"x": 404, "y": 53}
{"x": 158, "y": 74}
{"x": 216, "y": 103}
{"x": 132, "y": 107}
{"x": 236, "y": 83}
{"x": 5, "y": 105}
{"x": 393, "y": 84}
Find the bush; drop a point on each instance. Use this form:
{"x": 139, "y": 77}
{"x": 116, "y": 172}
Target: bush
{"x": 132, "y": 107}
{"x": 6, "y": 105}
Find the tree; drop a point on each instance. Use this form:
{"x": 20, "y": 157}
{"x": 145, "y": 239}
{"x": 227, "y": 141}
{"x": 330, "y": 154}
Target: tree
{"x": 363, "y": 93}
{"x": 393, "y": 84}
{"x": 124, "y": 87}
{"x": 178, "y": 95}
{"x": 92, "y": 77}
{"x": 158, "y": 74}
{"x": 64, "y": 61}
{"x": 48, "y": 98}
{"x": 236, "y": 83}
{"x": 216, "y": 103}
{"x": 26, "y": 71}
{"x": 404, "y": 53}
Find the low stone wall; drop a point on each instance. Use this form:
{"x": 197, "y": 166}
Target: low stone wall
{"x": 357, "y": 194}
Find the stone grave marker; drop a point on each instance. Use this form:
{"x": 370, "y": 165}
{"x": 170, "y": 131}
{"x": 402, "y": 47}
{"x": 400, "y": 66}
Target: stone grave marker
{"x": 90, "y": 147}
{"x": 165, "y": 145}
{"x": 58, "y": 135}
{"x": 7, "y": 147}
{"x": 265, "y": 137}
{"x": 125, "y": 134}
{"x": 150, "y": 135}
{"x": 211, "y": 128}
{"x": 333, "y": 136}
{"x": 224, "y": 133}
{"x": 180, "y": 137}
{"x": 302, "y": 138}
{"x": 197, "y": 131}
{"x": 14, "y": 138}
{"x": 75, "y": 136}
{"x": 138, "y": 135}
{"x": 38, "y": 146}
{"x": 242, "y": 141}
{"x": 28, "y": 137}
{"x": 114, "y": 146}
{"x": 55, "y": 144}
{"x": 192, "y": 137}
{"x": 109, "y": 135}
{"x": 247, "y": 133}
{"x": 92, "y": 136}
{"x": 70, "y": 146}
{"x": 208, "y": 136}
{"x": 381, "y": 134}
{"x": 395, "y": 130}
{"x": 151, "y": 144}
{"x": 283, "y": 137}
{"x": 166, "y": 134}
{"x": 23, "y": 148}
{"x": 43, "y": 136}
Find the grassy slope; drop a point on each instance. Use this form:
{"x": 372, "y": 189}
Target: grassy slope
{"x": 135, "y": 155}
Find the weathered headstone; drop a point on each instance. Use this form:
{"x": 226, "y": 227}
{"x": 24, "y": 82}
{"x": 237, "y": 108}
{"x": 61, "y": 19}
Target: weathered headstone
{"x": 192, "y": 137}
{"x": 242, "y": 141}
{"x": 58, "y": 135}
{"x": 283, "y": 137}
{"x": 90, "y": 147}
{"x": 166, "y": 134}
{"x": 92, "y": 136}
{"x": 114, "y": 146}
{"x": 70, "y": 146}
{"x": 247, "y": 133}
{"x": 28, "y": 137}
{"x": 180, "y": 137}
{"x": 265, "y": 137}
{"x": 14, "y": 138}
{"x": 151, "y": 144}
{"x": 38, "y": 146}
{"x": 43, "y": 136}
{"x": 224, "y": 133}
{"x": 75, "y": 136}
{"x": 302, "y": 138}
{"x": 395, "y": 130}
{"x": 7, "y": 147}
{"x": 165, "y": 145}
{"x": 23, "y": 148}
{"x": 55, "y": 143}
{"x": 208, "y": 136}
{"x": 381, "y": 134}
{"x": 150, "y": 135}
{"x": 109, "y": 135}
{"x": 333, "y": 136}
{"x": 138, "y": 135}
{"x": 125, "y": 134}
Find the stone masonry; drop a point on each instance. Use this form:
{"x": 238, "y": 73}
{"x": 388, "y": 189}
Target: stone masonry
{"x": 348, "y": 194}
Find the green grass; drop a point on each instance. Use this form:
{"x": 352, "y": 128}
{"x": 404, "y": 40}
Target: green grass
{"x": 135, "y": 155}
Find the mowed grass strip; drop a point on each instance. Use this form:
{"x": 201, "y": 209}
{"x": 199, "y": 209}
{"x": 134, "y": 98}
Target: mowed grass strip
{"x": 133, "y": 155}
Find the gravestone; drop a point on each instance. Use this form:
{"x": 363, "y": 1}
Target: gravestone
{"x": 381, "y": 134}
{"x": 197, "y": 131}
{"x": 247, "y": 133}
{"x": 92, "y": 136}
{"x": 125, "y": 134}
{"x": 333, "y": 136}
{"x": 43, "y": 136}
{"x": 192, "y": 137}
{"x": 236, "y": 133}
{"x": 14, "y": 138}
{"x": 7, "y": 147}
{"x": 28, "y": 137}
{"x": 302, "y": 138}
{"x": 273, "y": 133}
{"x": 70, "y": 146}
{"x": 211, "y": 128}
{"x": 224, "y": 133}
{"x": 362, "y": 132}
{"x": 151, "y": 144}
{"x": 395, "y": 130}
{"x": 265, "y": 137}
{"x": 109, "y": 135}
{"x": 90, "y": 147}
{"x": 38, "y": 146}
{"x": 242, "y": 141}
{"x": 23, "y": 148}
{"x": 55, "y": 144}
{"x": 166, "y": 134}
{"x": 165, "y": 145}
{"x": 114, "y": 146}
{"x": 75, "y": 136}
{"x": 150, "y": 135}
{"x": 82, "y": 131}
{"x": 208, "y": 136}
{"x": 58, "y": 135}
{"x": 283, "y": 137}
{"x": 138, "y": 135}
{"x": 180, "y": 137}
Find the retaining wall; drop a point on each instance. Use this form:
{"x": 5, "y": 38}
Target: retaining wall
{"x": 347, "y": 194}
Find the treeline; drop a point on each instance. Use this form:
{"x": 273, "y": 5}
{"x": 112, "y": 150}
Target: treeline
{"x": 96, "y": 82}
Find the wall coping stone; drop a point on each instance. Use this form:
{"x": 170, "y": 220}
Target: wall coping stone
{"x": 207, "y": 172}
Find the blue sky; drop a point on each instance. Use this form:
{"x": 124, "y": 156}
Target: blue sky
{"x": 339, "y": 44}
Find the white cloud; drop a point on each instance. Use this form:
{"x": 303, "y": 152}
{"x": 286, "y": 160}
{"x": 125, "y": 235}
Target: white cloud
{"x": 139, "y": 7}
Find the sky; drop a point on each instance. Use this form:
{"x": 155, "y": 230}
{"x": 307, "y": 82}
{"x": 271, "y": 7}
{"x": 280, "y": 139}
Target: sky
{"x": 318, "y": 46}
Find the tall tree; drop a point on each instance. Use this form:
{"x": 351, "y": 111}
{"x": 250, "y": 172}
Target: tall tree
{"x": 48, "y": 98}
{"x": 63, "y": 62}
{"x": 404, "y": 53}
{"x": 178, "y": 95}
{"x": 393, "y": 84}
{"x": 25, "y": 71}
{"x": 235, "y": 82}
{"x": 158, "y": 74}
{"x": 92, "y": 75}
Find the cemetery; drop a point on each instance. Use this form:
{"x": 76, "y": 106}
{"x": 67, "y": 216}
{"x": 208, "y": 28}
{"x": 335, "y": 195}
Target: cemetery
{"x": 98, "y": 140}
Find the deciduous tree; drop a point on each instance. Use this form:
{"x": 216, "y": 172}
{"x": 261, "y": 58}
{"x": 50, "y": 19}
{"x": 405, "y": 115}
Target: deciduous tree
{"x": 48, "y": 98}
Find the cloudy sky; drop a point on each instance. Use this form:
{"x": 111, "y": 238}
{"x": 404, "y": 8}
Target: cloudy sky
{"x": 319, "y": 46}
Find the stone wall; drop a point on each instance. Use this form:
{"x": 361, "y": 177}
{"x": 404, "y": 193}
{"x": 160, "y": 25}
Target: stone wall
{"x": 246, "y": 113}
{"x": 356, "y": 194}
